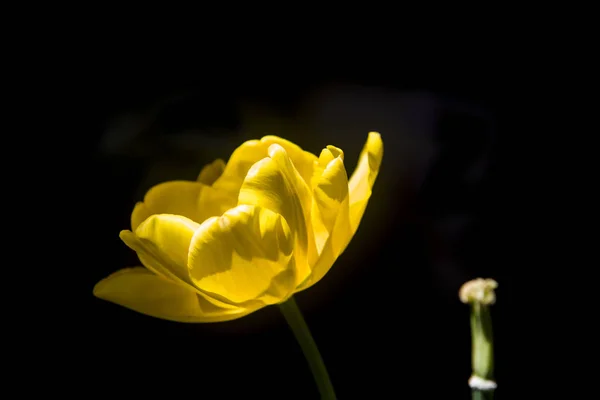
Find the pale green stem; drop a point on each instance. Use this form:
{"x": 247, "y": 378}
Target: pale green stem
{"x": 481, "y": 333}
{"x": 483, "y": 348}
{"x": 294, "y": 318}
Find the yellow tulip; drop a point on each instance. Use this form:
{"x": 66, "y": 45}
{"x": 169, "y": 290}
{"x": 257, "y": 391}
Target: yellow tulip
{"x": 247, "y": 234}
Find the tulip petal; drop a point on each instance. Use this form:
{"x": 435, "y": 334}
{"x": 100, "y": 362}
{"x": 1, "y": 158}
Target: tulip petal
{"x": 330, "y": 212}
{"x": 145, "y": 292}
{"x": 243, "y": 256}
{"x": 363, "y": 178}
{"x": 211, "y": 172}
{"x": 275, "y": 184}
{"x": 162, "y": 243}
{"x": 255, "y": 150}
{"x": 193, "y": 200}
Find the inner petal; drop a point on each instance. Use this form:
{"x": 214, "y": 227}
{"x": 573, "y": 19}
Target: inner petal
{"x": 194, "y": 200}
{"x": 253, "y": 151}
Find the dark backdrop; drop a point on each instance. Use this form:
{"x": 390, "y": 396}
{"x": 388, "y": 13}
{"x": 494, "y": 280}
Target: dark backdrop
{"x": 387, "y": 318}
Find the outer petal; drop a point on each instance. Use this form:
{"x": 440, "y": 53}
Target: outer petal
{"x": 244, "y": 256}
{"x": 211, "y": 172}
{"x": 330, "y": 212}
{"x": 275, "y": 184}
{"x": 254, "y": 150}
{"x": 363, "y": 178}
{"x": 193, "y": 200}
{"x": 162, "y": 243}
{"x": 145, "y": 292}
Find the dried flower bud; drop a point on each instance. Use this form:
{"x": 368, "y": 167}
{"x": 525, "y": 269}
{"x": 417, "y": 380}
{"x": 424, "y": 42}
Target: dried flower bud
{"x": 478, "y": 290}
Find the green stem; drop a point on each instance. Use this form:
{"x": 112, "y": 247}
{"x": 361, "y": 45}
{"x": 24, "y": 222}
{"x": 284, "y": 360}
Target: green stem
{"x": 294, "y": 318}
{"x": 482, "y": 341}
{"x": 483, "y": 348}
{"x": 482, "y": 394}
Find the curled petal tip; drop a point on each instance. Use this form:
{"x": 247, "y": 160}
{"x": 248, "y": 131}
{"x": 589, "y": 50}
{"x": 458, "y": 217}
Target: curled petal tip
{"x": 374, "y": 141}
{"x": 274, "y": 149}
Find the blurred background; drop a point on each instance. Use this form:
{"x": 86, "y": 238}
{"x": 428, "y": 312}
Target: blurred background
{"x": 387, "y": 318}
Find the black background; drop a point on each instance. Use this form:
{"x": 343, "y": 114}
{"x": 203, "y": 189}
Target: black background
{"x": 387, "y": 318}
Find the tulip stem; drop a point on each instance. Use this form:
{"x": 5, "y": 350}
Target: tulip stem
{"x": 295, "y": 320}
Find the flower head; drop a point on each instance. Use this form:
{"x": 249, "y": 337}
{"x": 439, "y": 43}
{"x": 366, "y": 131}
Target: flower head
{"x": 478, "y": 290}
{"x": 246, "y": 234}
